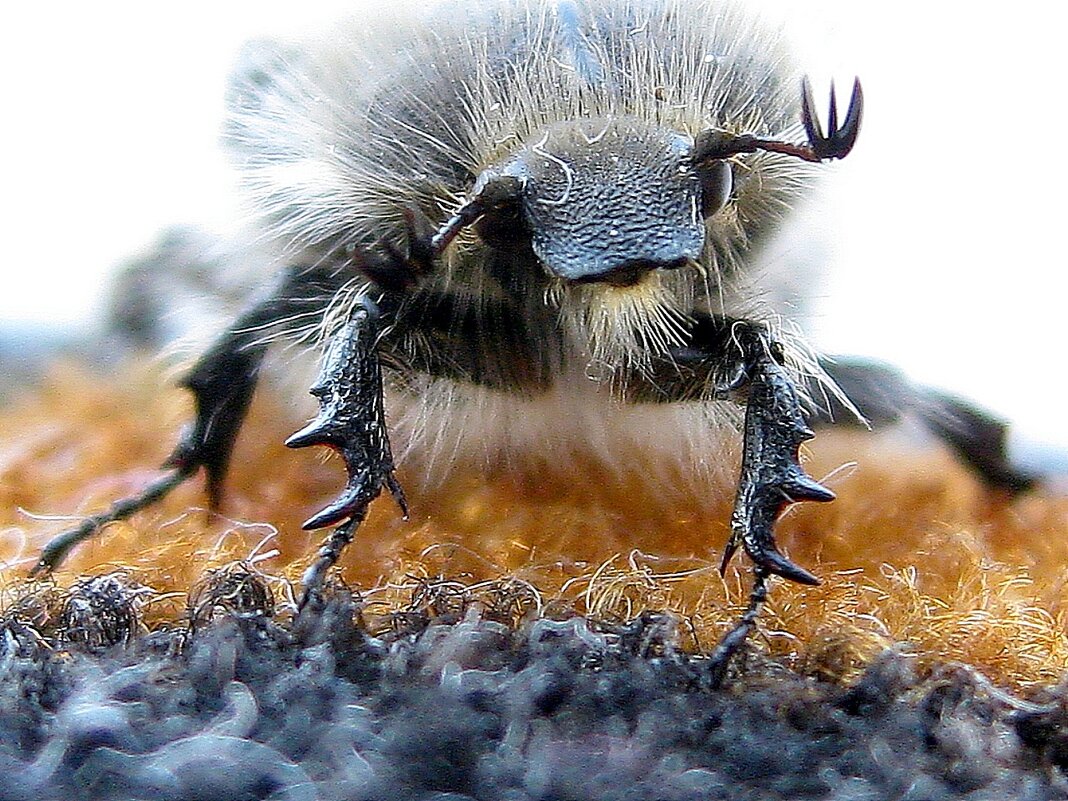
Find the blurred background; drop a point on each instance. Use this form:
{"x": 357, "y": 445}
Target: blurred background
{"x": 941, "y": 231}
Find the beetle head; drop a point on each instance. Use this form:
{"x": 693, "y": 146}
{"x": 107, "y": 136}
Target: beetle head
{"x": 611, "y": 199}
{"x": 608, "y": 200}
{"x": 601, "y": 200}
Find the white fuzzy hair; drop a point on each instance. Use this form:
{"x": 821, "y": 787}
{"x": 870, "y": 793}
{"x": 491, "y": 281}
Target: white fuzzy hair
{"x": 324, "y": 160}
{"x": 403, "y": 108}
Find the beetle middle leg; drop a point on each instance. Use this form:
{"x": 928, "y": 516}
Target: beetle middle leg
{"x": 222, "y": 382}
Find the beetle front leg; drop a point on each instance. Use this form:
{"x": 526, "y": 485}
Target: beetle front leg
{"x": 771, "y": 475}
{"x": 726, "y": 358}
{"x": 351, "y": 420}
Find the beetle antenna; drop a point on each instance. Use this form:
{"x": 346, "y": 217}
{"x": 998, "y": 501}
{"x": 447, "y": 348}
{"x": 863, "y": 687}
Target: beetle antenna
{"x": 836, "y": 144}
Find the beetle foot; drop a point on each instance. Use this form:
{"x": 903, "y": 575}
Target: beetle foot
{"x": 720, "y": 658}
{"x": 57, "y": 548}
{"x": 327, "y": 556}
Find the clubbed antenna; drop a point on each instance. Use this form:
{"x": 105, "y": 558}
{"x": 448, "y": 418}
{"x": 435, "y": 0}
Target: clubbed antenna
{"x": 836, "y": 144}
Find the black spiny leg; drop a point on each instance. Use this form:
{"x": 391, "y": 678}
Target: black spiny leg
{"x": 728, "y": 356}
{"x": 222, "y": 382}
{"x": 352, "y": 422}
{"x": 724, "y": 357}
{"x": 772, "y": 476}
{"x": 771, "y": 479}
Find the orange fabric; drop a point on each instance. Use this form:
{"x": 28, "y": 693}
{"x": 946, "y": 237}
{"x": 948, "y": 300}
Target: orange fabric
{"x": 914, "y": 550}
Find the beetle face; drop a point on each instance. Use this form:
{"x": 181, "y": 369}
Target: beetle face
{"x": 609, "y": 200}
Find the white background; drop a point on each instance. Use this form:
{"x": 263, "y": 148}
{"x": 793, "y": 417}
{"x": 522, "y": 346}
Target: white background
{"x": 946, "y": 223}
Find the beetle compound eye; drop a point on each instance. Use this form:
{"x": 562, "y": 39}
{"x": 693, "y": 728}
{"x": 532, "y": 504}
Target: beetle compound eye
{"x": 717, "y": 183}
{"x": 502, "y": 223}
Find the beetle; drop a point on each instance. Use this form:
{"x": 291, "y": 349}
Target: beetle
{"x": 541, "y": 203}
